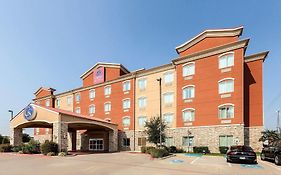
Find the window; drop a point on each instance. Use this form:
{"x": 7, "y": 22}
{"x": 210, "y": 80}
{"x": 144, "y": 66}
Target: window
{"x": 107, "y": 90}
{"x": 126, "y": 142}
{"x": 187, "y": 141}
{"x": 168, "y": 98}
{"x": 107, "y": 107}
{"x": 226, "y": 86}
{"x": 226, "y": 111}
{"x": 142, "y": 84}
{"x": 92, "y": 94}
{"x": 226, "y": 140}
{"x": 92, "y": 109}
{"x": 126, "y": 86}
{"x": 169, "y": 141}
{"x": 141, "y": 141}
{"x": 48, "y": 103}
{"x": 188, "y": 92}
{"x": 226, "y": 60}
{"x": 77, "y": 110}
{"x": 168, "y": 118}
{"x": 77, "y": 97}
{"x": 37, "y": 130}
{"x": 58, "y": 103}
{"x": 188, "y": 115}
{"x": 126, "y": 104}
{"x": 168, "y": 77}
{"x": 142, "y": 120}
{"x": 188, "y": 69}
{"x": 142, "y": 102}
{"x": 69, "y": 101}
{"x": 47, "y": 130}
{"x": 126, "y": 121}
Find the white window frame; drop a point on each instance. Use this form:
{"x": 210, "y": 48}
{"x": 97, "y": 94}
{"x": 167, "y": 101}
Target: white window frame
{"x": 58, "y": 103}
{"x": 126, "y": 118}
{"x": 185, "y": 110}
{"x": 48, "y": 103}
{"x": 69, "y": 100}
{"x": 170, "y": 73}
{"x": 222, "y": 56}
{"x": 145, "y": 84}
{"x": 77, "y": 94}
{"x": 92, "y": 94}
{"x": 78, "y": 108}
{"x": 107, "y": 92}
{"x": 164, "y": 100}
{"x": 184, "y": 66}
{"x": 224, "y": 80}
{"x": 228, "y": 142}
{"x": 94, "y": 109}
{"x": 145, "y": 103}
{"x": 124, "y": 85}
{"x": 185, "y": 87}
{"x": 170, "y": 114}
{"x": 145, "y": 120}
{"x": 107, "y": 110}
{"x": 225, "y": 105}
{"x": 123, "y": 103}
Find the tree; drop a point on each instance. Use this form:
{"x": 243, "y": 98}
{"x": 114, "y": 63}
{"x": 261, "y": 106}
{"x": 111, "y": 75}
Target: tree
{"x": 269, "y": 135}
{"x": 4, "y": 139}
{"x": 152, "y": 129}
{"x": 25, "y": 138}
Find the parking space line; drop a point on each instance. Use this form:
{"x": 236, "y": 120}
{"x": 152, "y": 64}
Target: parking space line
{"x": 195, "y": 160}
{"x": 269, "y": 164}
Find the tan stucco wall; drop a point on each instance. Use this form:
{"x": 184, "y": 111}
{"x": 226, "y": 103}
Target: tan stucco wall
{"x": 43, "y": 115}
{"x": 63, "y": 102}
{"x": 152, "y": 94}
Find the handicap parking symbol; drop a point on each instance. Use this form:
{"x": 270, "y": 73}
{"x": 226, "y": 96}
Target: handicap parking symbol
{"x": 175, "y": 161}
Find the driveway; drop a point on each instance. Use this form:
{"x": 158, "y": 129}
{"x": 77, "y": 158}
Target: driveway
{"x": 128, "y": 163}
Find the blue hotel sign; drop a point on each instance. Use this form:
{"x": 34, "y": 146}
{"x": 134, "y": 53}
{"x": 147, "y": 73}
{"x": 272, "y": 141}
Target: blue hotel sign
{"x": 29, "y": 113}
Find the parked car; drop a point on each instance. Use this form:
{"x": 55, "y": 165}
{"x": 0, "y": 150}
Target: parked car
{"x": 272, "y": 151}
{"x": 241, "y": 153}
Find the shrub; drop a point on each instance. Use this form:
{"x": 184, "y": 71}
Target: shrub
{"x": 5, "y": 148}
{"x": 173, "y": 149}
{"x": 201, "y": 149}
{"x": 62, "y": 154}
{"x": 20, "y": 152}
{"x": 158, "y": 153}
{"x": 143, "y": 149}
{"x": 51, "y": 154}
{"x": 149, "y": 149}
{"x": 180, "y": 150}
{"x": 223, "y": 149}
{"x": 34, "y": 146}
{"x": 17, "y": 148}
{"x": 49, "y": 147}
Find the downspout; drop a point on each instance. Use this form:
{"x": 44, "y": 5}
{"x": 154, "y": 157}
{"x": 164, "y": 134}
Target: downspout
{"x": 134, "y": 113}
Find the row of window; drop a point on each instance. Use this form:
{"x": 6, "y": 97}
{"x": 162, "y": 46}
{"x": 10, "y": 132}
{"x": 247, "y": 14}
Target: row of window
{"x": 188, "y": 141}
{"x": 225, "y": 61}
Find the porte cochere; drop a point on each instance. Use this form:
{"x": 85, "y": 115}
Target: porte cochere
{"x": 71, "y": 131}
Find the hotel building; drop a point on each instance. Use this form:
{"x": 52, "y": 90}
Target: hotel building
{"x": 212, "y": 95}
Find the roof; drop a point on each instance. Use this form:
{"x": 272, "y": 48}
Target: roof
{"x": 44, "y": 88}
{"x": 84, "y": 75}
{"x": 61, "y": 111}
{"x": 258, "y": 56}
{"x": 229, "y": 32}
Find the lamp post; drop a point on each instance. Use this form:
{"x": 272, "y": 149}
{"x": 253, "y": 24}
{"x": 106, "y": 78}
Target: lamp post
{"x": 12, "y": 113}
{"x": 160, "y": 80}
{"x": 278, "y": 124}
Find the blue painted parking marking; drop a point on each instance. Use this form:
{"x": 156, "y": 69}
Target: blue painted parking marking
{"x": 176, "y": 161}
{"x": 256, "y": 166}
{"x": 193, "y": 155}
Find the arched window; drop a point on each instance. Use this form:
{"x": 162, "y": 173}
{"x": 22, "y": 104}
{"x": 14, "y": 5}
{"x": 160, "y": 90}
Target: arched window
{"x": 92, "y": 94}
{"x": 107, "y": 107}
{"x": 188, "y": 115}
{"x": 226, "y": 85}
{"x": 126, "y": 103}
{"x": 188, "y": 92}
{"x": 226, "y": 60}
{"x": 126, "y": 121}
{"x": 226, "y": 111}
{"x": 92, "y": 109}
{"x": 188, "y": 69}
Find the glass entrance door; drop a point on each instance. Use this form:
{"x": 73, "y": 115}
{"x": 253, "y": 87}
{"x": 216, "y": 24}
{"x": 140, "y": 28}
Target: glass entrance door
{"x": 96, "y": 144}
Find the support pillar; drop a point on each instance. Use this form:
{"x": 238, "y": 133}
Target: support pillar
{"x": 113, "y": 140}
{"x": 60, "y": 130}
{"x": 16, "y": 136}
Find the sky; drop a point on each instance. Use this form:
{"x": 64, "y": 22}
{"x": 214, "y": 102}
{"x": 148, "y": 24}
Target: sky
{"x": 51, "y": 43}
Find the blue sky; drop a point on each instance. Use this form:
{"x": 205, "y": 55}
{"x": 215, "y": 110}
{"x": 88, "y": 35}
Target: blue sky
{"x": 51, "y": 43}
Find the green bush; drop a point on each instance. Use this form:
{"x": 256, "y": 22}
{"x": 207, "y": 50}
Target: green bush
{"x": 49, "y": 147}
{"x": 20, "y": 152}
{"x": 158, "y": 153}
{"x": 149, "y": 149}
{"x": 180, "y": 150}
{"x": 223, "y": 149}
{"x": 17, "y": 148}
{"x": 173, "y": 149}
{"x": 143, "y": 149}
{"x": 5, "y": 148}
{"x": 51, "y": 154}
{"x": 4, "y": 139}
{"x": 201, "y": 149}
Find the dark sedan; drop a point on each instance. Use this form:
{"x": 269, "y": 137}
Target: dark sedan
{"x": 241, "y": 153}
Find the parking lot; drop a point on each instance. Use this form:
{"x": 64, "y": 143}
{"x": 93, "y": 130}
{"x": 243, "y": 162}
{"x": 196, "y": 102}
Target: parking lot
{"x": 129, "y": 163}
